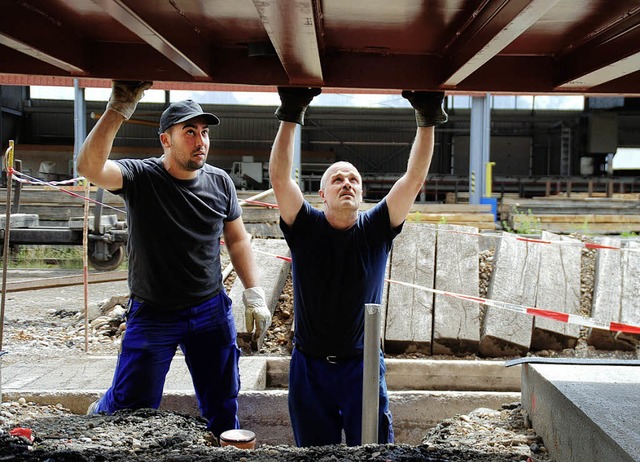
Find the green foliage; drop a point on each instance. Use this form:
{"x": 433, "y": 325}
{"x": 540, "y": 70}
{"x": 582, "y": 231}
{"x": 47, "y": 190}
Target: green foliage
{"x": 413, "y": 217}
{"x": 628, "y": 234}
{"x": 527, "y": 223}
{"x": 43, "y": 256}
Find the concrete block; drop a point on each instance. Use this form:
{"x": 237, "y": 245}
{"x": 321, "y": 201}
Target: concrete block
{"x": 456, "y": 322}
{"x": 20, "y": 220}
{"x": 451, "y": 375}
{"x": 409, "y": 311}
{"x": 514, "y": 280}
{"x": 558, "y": 290}
{"x": 106, "y": 222}
{"x": 272, "y": 273}
{"x": 584, "y": 412}
{"x": 607, "y": 293}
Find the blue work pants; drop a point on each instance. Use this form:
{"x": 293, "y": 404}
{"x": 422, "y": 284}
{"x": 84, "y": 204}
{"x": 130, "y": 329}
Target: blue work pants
{"x": 325, "y": 398}
{"x": 205, "y": 333}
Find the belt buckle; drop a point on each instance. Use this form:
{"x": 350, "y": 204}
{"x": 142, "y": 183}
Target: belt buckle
{"x": 332, "y": 359}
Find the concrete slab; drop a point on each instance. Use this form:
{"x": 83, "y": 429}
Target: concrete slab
{"x": 96, "y": 373}
{"x": 558, "y": 290}
{"x": 514, "y": 280}
{"x": 427, "y": 374}
{"x": 409, "y": 311}
{"x": 456, "y": 322}
{"x": 585, "y": 412}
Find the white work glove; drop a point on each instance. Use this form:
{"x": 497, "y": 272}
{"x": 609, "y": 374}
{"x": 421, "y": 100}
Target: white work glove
{"x": 256, "y": 312}
{"x": 125, "y": 95}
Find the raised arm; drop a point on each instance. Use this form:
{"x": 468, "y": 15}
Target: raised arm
{"x": 429, "y": 112}
{"x": 294, "y": 103}
{"x": 93, "y": 159}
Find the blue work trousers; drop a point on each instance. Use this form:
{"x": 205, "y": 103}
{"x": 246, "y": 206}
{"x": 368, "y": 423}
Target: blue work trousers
{"x": 325, "y": 398}
{"x": 205, "y": 333}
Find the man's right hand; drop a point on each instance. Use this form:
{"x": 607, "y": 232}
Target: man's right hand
{"x": 125, "y": 95}
{"x": 294, "y": 103}
{"x": 428, "y": 106}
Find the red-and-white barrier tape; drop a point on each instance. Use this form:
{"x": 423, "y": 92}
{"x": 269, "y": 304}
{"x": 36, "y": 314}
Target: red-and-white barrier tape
{"x": 569, "y": 243}
{"x": 532, "y": 311}
{"x": 24, "y": 178}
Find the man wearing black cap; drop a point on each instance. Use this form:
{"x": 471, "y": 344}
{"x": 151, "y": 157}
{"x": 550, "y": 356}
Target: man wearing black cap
{"x": 178, "y": 207}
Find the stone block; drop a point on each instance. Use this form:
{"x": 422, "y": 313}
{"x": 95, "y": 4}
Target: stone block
{"x": 20, "y": 220}
{"x": 409, "y": 310}
{"x": 607, "y": 293}
{"x": 558, "y": 290}
{"x": 514, "y": 280}
{"x": 456, "y": 322}
{"x": 106, "y": 222}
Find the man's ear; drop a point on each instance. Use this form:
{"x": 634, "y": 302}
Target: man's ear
{"x": 165, "y": 140}
{"x": 321, "y": 194}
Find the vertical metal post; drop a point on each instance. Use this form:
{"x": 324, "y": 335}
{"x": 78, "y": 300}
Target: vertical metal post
{"x": 79, "y": 123}
{"x": 371, "y": 373}
{"x": 296, "y": 170}
{"x": 479, "y": 146}
{"x": 8, "y": 158}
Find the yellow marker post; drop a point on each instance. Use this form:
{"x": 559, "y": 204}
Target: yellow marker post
{"x": 488, "y": 189}
{"x": 8, "y": 160}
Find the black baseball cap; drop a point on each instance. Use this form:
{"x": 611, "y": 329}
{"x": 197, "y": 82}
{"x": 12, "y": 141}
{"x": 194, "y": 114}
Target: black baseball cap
{"x": 182, "y": 111}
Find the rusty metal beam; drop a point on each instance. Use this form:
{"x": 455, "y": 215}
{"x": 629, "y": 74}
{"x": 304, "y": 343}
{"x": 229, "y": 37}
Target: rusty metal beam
{"x": 608, "y": 54}
{"x": 41, "y": 38}
{"x": 291, "y": 27}
{"x": 490, "y": 29}
{"x": 121, "y": 12}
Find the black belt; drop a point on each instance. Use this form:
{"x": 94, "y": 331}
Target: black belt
{"x": 332, "y": 359}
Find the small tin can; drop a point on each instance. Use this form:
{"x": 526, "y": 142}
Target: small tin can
{"x": 241, "y": 439}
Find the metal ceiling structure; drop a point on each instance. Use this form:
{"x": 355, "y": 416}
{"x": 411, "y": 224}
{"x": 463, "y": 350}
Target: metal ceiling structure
{"x": 466, "y": 46}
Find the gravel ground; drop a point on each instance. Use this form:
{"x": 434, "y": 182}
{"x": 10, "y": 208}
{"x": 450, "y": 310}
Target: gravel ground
{"x": 54, "y": 434}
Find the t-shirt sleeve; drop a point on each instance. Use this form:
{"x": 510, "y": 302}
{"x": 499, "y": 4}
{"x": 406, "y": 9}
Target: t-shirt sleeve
{"x": 233, "y": 209}
{"x": 302, "y": 219}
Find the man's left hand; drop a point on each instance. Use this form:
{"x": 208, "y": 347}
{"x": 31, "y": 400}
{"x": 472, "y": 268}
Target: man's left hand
{"x": 256, "y": 313}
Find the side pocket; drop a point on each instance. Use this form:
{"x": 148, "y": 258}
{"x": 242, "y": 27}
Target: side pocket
{"x": 133, "y": 308}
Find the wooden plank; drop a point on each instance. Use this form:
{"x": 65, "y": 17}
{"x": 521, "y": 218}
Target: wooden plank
{"x": 577, "y": 219}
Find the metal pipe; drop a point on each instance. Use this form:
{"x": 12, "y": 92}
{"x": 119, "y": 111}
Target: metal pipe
{"x": 8, "y": 159}
{"x": 371, "y": 373}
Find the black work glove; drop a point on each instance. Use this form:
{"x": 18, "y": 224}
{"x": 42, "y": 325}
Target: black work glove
{"x": 294, "y": 103}
{"x": 125, "y": 95}
{"x": 428, "y": 106}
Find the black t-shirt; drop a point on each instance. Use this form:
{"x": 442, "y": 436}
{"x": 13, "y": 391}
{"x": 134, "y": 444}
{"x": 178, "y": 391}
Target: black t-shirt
{"x": 174, "y": 231}
{"x": 335, "y": 272}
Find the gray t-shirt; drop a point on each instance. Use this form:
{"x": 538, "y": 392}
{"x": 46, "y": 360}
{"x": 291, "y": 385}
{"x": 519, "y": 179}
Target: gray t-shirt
{"x": 174, "y": 231}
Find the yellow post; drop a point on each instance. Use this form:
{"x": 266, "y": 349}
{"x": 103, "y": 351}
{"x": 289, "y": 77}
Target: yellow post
{"x": 8, "y": 159}
{"x": 488, "y": 179}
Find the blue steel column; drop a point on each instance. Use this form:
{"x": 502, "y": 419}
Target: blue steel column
{"x": 79, "y": 122}
{"x": 296, "y": 170}
{"x": 479, "y": 146}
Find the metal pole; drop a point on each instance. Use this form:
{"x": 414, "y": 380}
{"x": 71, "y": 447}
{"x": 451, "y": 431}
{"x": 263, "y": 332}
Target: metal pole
{"x": 371, "y": 373}
{"x": 8, "y": 158}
